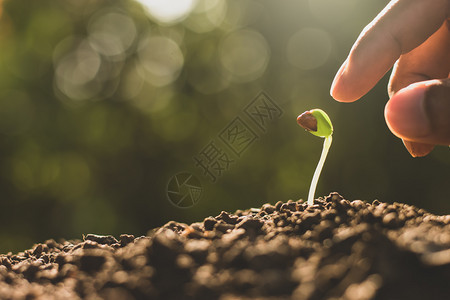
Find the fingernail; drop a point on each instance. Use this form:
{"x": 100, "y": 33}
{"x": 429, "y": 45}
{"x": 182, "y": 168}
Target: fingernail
{"x": 405, "y": 113}
{"x": 418, "y": 149}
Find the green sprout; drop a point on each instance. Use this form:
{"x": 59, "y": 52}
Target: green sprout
{"x": 317, "y": 122}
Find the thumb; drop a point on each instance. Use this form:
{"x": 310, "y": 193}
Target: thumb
{"x": 420, "y": 115}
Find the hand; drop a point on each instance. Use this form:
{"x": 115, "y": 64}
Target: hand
{"x": 415, "y": 35}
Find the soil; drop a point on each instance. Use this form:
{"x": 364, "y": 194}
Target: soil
{"x": 336, "y": 249}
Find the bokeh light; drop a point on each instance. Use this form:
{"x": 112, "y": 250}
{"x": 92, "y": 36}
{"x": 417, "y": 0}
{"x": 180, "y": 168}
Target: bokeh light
{"x": 112, "y": 34}
{"x": 206, "y": 16}
{"x": 245, "y": 54}
{"x": 76, "y": 72}
{"x": 161, "y": 60}
{"x": 309, "y": 48}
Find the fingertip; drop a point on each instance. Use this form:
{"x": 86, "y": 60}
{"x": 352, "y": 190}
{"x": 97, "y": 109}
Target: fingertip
{"x": 341, "y": 89}
{"x": 405, "y": 113}
{"x": 342, "y": 96}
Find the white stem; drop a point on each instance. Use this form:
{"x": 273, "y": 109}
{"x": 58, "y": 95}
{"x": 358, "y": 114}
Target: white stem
{"x": 312, "y": 188}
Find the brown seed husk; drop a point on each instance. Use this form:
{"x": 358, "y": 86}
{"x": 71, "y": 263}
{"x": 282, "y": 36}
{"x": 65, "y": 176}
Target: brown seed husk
{"x": 307, "y": 121}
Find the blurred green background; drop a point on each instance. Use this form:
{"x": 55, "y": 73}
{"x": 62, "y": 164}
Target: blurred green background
{"x": 102, "y": 102}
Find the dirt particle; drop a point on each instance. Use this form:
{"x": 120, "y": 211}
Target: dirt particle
{"x": 227, "y": 218}
{"x": 101, "y": 239}
{"x": 126, "y": 239}
{"x": 250, "y": 224}
{"x": 390, "y": 220}
{"x": 91, "y": 261}
{"x": 209, "y": 223}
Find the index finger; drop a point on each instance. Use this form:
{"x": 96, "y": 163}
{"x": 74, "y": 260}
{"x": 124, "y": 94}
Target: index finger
{"x": 400, "y": 27}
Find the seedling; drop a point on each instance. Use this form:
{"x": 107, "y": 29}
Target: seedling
{"x": 317, "y": 122}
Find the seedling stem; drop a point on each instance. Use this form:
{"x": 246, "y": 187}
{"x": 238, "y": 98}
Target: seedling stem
{"x": 323, "y": 156}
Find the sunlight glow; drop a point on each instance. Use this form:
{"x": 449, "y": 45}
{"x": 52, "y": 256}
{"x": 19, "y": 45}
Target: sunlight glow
{"x": 168, "y": 11}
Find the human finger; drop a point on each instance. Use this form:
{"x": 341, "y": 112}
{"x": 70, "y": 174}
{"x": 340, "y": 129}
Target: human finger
{"x": 421, "y": 113}
{"x": 400, "y": 27}
{"x": 430, "y": 60}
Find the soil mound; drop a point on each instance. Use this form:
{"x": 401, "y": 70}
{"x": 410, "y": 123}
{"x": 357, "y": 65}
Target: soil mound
{"x": 335, "y": 249}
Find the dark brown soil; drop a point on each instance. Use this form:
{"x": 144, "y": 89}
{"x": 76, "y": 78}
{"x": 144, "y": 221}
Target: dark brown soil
{"x": 336, "y": 249}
